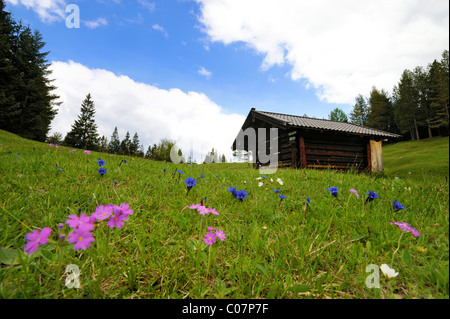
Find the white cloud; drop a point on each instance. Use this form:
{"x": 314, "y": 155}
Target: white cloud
{"x": 93, "y": 24}
{"x": 48, "y": 10}
{"x": 147, "y": 4}
{"x": 161, "y": 29}
{"x": 190, "y": 118}
{"x": 343, "y": 47}
{"x": 202, "y": 71}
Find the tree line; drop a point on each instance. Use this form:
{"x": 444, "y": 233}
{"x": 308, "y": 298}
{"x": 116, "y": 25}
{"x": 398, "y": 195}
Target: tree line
{"x": 26, "y": 99}
{"x": 84, "y": 135}
{"x": 417, "y": 106}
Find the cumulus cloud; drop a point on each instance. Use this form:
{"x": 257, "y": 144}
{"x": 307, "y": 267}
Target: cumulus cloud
{"x": 161, "y": 29}
{"x": 195, "y": 122}
{"x": 147, "y": 4}
{"x": 93, "y": 24}
{"x": 342, "y": 48}
{"x": 202, "y": 71}
{"x": 47, "y": 10}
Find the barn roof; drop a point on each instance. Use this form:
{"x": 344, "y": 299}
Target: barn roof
{"x": 285, "y": 121}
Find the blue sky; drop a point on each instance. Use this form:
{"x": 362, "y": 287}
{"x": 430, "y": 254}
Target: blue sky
{"x": 199, "y": 62}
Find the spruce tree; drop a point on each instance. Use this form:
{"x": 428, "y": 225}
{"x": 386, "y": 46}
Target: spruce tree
{"x": 114, "y": 144}
{"x": 338, "y": 115}
{"x": 406, "y": 105}
{"x": 9, "y": 107}
{"x": 84, "y": 131}
{"x": 125, "y": 145}
{"x": 381, "y": 111}
{"x": 135, "y": 145}
{"x": 103, "y": 144}
{"x": 26, "y": 101}
{"x": 438, "y": 94}
{"x": 358, "y": 115}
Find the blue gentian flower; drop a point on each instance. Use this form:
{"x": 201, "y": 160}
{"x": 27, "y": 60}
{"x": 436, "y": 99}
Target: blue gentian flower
{"x": 232, "y": 190}
{"x": 241, "y": 195}
{"x": 276, "y": 190}
{"x": 282, "y": 196}
{"x": 397, "y": 206}
{"x": 102, "y": 171}
{"x": 101, "y": 162}
{"x": 372, "y": 196}
{"x": 190, "y": 182}
{"x": 333, "y": 191}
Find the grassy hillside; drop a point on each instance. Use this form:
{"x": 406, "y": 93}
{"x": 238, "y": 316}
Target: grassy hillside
{"x": 417, "y": 159}
{"x": 273, "y": 247}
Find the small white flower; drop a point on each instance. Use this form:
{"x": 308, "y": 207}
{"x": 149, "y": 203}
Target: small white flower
{"x": 388, "y": 272}
{"x": 271, "y": 180}
{"x": 279, "y": 181}
{"x": 258, "y": 178}
{"x": 260, "y": 184}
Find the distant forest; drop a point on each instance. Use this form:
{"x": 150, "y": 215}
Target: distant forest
{"x": 417, "y": 107}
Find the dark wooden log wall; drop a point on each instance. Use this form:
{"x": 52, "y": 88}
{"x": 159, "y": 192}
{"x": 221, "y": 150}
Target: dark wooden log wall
{"x": 333, "y": 151}
{"x": 321, "y": 150}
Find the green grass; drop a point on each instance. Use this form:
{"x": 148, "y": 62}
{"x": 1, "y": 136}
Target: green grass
{"x": 272, "y": 249}
{"x": 417, "y": 159}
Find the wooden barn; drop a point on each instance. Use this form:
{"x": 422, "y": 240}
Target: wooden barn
{"x": 304, "y": 142}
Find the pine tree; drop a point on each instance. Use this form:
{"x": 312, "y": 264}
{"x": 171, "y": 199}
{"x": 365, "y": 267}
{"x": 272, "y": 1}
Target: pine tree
{"x": 114, "y": 144}
{"x": 103, "y": 144}
{"x": 406, "y": 105}
{"x": 421, "y": 86}
{"x": 438, "y": 94}
{"x": 358, "y": 115}
{"x": 84, "y": 131}
{"x": 338, "y": 115}
{"x": 381, "y": 111}
{"x": 125, "y": 145}
{"x": 26, "y": 102}
{"x": 55, "y": 138}
{"x": 135, "y": 144}
{"x": 9, "y": 107}
{"x": 150, "y": 149}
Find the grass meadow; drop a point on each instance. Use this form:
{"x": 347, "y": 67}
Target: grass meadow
{"x": 273, "y": 248}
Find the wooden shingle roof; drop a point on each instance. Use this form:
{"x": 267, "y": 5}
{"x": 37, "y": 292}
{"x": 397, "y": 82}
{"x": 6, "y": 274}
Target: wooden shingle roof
{"x": 285, "y": 120}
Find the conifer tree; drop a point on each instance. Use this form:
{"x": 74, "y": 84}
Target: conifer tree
{"x": 338, "y": 115}
{"x": 103, "y": 144}
{"x": 125, "y": 145}
{"x": 135, "y": 145}
{"x": 358, "y": 115}
{"x": 9, "y": 107}
{"x": 381, "y": 111}
{"x": 84, "y": 131}
{"x": 26, "y": 101}
{"x": 114, "y": 144}
{"x": 438, "y": 94}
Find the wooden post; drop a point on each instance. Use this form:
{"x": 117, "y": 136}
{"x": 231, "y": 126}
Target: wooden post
{"x": 376, "y": 156}
{"x": 302, "y": 152}
{"x": 369, "y": 158}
